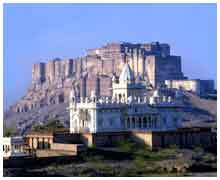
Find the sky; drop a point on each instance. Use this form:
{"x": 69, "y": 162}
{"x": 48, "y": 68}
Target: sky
{"x": 39, "y": 32}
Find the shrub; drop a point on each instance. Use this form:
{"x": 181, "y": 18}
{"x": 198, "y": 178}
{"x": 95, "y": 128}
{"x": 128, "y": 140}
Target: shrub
{"x": 139, "y": 161}
{"x": 126, "y": 146}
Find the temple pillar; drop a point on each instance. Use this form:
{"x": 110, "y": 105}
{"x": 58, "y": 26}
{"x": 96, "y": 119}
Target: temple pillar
{"x": 50, "y": 142}
{"x": 35, "y": 143}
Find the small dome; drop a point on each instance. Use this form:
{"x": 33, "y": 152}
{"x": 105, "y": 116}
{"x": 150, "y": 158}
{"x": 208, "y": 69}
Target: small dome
{"x": 126, "y": 74}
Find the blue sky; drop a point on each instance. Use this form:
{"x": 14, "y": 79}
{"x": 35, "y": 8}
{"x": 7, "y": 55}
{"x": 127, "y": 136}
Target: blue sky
{"x": 40, "y": 32}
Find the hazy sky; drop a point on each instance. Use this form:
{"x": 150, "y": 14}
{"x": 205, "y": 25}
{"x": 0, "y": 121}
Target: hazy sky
{"x": 39, "y": 32}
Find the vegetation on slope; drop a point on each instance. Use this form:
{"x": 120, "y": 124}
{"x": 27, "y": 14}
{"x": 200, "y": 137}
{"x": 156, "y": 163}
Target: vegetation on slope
{"x": 52, "y": 125}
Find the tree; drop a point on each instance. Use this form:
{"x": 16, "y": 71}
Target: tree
{"x": 51, "y": 125}
{"x": 8, "y": 131}
{"x": 54, "y": 124}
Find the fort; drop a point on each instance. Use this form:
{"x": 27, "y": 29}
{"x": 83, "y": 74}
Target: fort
{"x": 52, "y": 81}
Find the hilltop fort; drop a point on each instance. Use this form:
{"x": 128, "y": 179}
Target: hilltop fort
{"x": 151, "y": 63}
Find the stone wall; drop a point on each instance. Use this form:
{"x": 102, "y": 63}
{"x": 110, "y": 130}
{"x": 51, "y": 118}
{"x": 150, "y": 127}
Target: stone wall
{"x": 184, "y": 138}
{"x": 67, "y": 147}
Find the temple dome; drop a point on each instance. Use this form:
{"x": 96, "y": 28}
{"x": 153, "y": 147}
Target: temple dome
{"x": 126, "y": 74}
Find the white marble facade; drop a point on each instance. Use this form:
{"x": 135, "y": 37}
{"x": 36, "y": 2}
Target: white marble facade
{"x": 128, "y": 109}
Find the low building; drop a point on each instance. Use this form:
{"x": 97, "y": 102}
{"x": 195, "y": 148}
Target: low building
{"x": 39, "y": 140}
{"x": 14, "y": 147}
{"x": 197, "y": 86}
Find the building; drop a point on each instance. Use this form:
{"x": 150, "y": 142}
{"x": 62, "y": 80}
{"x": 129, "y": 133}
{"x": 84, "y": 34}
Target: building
{"x": 39, "y": 140}
{"x": 133, "y": 112}
{"x": 197, "y": 86}
{"x": 14, "y": 147}
{"x": 128, "y": 109}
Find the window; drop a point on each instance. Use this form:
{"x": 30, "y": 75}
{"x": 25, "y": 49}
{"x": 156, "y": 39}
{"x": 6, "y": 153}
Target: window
{"x": 119, "y": 96}
{"x": 133, "y": 122}
{"x": 145, "y": 122}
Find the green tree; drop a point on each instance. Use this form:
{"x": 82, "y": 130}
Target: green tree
{"x": 51, "y": 125}
{"x": 8, "y": 131}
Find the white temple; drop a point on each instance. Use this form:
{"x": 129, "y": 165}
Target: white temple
{"x": 129, "y": 108}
